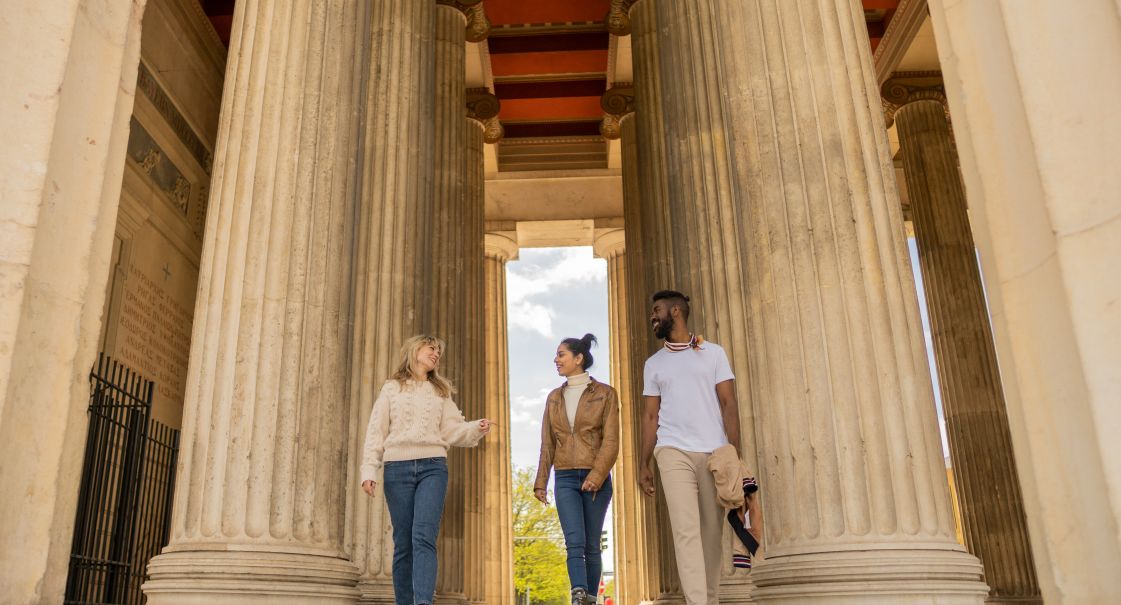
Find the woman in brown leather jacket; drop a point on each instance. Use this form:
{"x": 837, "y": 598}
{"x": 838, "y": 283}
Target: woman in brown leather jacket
{"x": 580, "y": 440}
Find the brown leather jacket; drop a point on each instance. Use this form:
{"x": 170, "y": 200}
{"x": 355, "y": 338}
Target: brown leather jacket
{"x": 592, "y": 444}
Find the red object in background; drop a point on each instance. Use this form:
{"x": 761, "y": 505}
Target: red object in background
{"x": 609, "y": 601}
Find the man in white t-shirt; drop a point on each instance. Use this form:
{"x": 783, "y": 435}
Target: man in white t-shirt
{"x": 690, "y": 410}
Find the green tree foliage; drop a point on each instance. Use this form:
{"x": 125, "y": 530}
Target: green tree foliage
{"x": 539, "y": 555}
{"x": 609, "y": 589}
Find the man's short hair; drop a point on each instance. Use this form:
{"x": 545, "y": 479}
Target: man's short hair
{"x": 675, "y": 298}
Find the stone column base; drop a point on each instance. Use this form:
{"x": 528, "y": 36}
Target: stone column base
{"x": 736, "y": 589}
{"x": 869, "y": 577}
{"x": 250, "y": 577}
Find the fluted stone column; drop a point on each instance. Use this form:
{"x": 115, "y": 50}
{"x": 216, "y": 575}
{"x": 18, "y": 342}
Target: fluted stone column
{"x": 397, "y": 175}
{"x": 628, "y": 502}
{"x": 499, "y": 495}
{"x": 857, "y": 505}
{"x": 69, "y": 72}
{"x": 991, "y": 503}
{"x": 479, "y": 527}
{"x": 635, "y": 556}
{"x": 261, "y": 495}
{"x": 706, "y": 245}
{"x": 648, "y": 229}
{"x": 1042, "y": 181}
{"x": 443, "y": 309}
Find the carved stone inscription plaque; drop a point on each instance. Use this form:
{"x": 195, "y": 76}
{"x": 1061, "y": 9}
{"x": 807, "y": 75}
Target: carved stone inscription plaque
{"x": 155, "y": 334}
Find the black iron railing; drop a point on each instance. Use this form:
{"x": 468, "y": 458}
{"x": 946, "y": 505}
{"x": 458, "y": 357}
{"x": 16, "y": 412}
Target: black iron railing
{"x": 124, "y": 501}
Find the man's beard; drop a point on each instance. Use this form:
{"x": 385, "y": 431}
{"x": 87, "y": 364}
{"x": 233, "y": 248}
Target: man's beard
{"x": 663, "y": 330}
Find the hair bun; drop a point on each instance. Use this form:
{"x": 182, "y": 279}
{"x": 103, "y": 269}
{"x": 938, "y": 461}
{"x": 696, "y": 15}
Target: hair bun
{"x": 589, "y": 339}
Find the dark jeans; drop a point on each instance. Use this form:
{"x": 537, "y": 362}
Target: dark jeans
{"x": 414, "y": 491}
{"x": 581, "y": 517}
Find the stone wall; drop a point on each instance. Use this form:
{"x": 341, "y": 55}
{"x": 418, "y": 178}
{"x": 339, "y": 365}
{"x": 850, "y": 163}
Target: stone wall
{"x": 158, "y": 239}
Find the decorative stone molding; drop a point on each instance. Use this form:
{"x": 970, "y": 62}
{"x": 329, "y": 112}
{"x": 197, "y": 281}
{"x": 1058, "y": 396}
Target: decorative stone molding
{"x": 617, "y": 102}
{"x": 550, "y": 140}
{"x": 483, "y": 107}
{"x": 500, "y": 246}
{"x": 493, "y": 131}
{"x": 909, "y": 87}
{"x": 147, "y": 84}
{"x": 900, "y": 33}
{"x": 618, "y": 18}
{"x": 478, "y": 24}
{"x": 609, "y": 244}
{"x": 611, "y": 128}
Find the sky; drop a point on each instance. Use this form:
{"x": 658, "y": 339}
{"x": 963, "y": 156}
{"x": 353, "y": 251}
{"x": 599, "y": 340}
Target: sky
{"x": 556, "y": 293}
{"x": 551, "y": 294}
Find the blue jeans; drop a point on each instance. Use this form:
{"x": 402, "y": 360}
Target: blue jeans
{"x": 414, "y": 491}
{"x": 581, "y": 517}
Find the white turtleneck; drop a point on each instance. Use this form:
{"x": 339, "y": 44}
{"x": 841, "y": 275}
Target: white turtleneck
{"x": 572, "y": 391}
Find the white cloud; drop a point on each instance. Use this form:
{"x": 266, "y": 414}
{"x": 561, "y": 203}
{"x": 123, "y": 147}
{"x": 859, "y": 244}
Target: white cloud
{"x": 546, "y": 272}
{"x": 531, "y": 317}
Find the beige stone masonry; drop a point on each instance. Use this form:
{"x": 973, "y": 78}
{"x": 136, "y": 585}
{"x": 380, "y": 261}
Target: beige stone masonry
{"x": 637, "y": 542}
{"x": 650, "y": 268}
{"x": 1036, "y": 125}
{"x": 442, "y": 305}
{"x": 991, "y": 503}
{"x": 857, "y": 505}
{"x": 261, "y": 493}
{"x": 66, "y": 93}
{"x": 498, "y": 250}
{"x": 398, "y": 176}
{"x": 481, "y": 528}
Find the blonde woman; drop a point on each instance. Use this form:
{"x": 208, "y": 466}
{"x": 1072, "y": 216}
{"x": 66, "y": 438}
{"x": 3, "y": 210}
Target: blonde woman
{"x": 413, "y": 423}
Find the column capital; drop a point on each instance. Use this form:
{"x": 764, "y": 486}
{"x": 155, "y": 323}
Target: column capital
{"x": 499, "y": 246}
{"x": 904, "y": 88}
{"x": 619, "y": 18}
{"x": 483, "y": 107}
{"x": 617, "y": 103}
{"x": 478, "y": 24}
{"x": 609, "y": 244}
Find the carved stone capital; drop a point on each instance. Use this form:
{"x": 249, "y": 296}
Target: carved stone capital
{"x": 482, "y": 105}
{"x": 617, "y": 103}
{"x": 493, "y": 131}
{"x": 478, "y": 24}
{"x": 611, "y": 127}
{"x": 619, "y": 18}
{"x": 908, "y": 87}
{"x": 618, "y": 100}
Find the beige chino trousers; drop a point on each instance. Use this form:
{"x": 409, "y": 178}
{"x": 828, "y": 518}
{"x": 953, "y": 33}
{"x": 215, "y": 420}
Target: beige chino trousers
{"x": 696, "y": 519}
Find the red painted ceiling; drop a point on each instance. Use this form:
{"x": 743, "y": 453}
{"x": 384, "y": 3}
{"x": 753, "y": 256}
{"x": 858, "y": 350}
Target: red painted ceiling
{"x": 549, "y": 59}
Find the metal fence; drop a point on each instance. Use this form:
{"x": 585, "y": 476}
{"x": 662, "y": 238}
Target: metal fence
{"x": 124, "y": 502}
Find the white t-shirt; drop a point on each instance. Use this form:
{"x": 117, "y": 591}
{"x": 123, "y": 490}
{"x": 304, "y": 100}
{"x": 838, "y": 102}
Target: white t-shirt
{"x": 689, "y": 417}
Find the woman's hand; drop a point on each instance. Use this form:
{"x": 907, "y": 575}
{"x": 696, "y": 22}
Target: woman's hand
{"x": 541, "y": 495}
{"x": 485, "y": 425}
{"x": 368, "y": 487}
{"x": 588, "y": 486}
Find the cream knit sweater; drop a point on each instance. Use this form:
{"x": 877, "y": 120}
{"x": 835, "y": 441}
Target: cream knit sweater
{"x": 410, "y": 423}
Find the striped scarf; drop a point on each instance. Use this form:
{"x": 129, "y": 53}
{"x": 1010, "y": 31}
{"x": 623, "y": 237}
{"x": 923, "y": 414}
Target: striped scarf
{"x": 677, "y": 347}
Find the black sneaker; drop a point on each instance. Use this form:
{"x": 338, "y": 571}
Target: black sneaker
{"x": 580, "y": 597}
